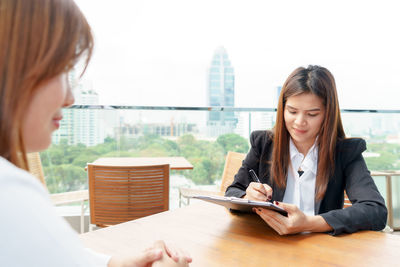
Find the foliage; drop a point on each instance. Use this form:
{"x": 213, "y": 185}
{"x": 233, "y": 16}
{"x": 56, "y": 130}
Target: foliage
{"x": 64, "y": 164}
{"x": 387, "y": 157}
{"x": 65, "y": 177}
{"x": 233, "y": 142}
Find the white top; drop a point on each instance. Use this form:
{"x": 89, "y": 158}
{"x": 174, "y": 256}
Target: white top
{"x": 301, "y": 190}
{"x": 31, "y": 232}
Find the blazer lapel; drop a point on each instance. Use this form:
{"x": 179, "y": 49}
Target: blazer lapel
{"x": 317, "y": 204}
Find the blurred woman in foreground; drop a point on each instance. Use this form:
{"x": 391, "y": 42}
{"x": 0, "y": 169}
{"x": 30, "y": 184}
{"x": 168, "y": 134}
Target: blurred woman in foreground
{"x": 40, "y": 42}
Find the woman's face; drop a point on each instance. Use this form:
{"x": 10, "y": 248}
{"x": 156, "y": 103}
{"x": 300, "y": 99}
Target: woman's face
{"x": 303, "y": 116}
{"x": 43, "y": 114}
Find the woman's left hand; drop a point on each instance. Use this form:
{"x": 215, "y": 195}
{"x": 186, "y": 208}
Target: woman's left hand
{"x": 295, "y": 222}
{"x": 160, "y": 254}
{"x": 174, "y": 252}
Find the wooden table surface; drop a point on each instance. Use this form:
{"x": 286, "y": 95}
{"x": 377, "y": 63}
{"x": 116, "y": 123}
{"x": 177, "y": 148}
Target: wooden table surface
{"x": 175, "y": 163}
{"x": 215, "y": 237}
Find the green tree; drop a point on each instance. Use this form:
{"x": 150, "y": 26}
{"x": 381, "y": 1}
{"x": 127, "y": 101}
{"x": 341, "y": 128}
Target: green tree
{"x": 207, "y": 158}
{"x": 233, "y": 142}
{"x": 66, "y": 177}
{"x": 388, "y": 159}
{"x": 64, "y": 164}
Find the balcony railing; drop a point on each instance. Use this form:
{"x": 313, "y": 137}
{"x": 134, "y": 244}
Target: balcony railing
{"x": 202, "y": 135}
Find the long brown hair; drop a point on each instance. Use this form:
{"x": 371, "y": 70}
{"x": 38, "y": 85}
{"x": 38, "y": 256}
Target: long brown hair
{"x": 320, "y": 82}
{"x": 39, "y": 39}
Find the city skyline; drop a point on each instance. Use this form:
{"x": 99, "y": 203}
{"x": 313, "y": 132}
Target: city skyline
{"x": 156, "y": 52}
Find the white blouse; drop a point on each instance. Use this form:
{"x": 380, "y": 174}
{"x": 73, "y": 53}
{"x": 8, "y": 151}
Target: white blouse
{"x": 31, "y": 232}
{"x": 300, "y": 190}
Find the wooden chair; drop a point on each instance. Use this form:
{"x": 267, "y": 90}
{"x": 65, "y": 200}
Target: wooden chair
{"x": 347, "y": 202}
{"x": 233, "y": 163}
{"x": 36, "y": 169}
{"x": 35, "y": 166}
{"x": 388, "y": 176}
{"x": 122, "y": 193}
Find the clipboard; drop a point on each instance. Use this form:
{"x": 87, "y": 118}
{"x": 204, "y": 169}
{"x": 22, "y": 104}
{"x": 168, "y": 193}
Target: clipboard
{"x": 240, "y": 204}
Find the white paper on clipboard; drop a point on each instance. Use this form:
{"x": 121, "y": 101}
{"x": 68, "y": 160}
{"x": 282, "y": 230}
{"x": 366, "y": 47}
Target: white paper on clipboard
{"x": 241, "y": 204}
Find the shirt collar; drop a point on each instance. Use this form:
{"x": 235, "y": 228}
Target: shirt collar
{"x": 310, "y": 161}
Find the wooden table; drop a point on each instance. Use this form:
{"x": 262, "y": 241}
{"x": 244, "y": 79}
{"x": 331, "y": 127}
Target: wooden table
{"x": 175, "y": 163}
{"x": 215, "y": 237}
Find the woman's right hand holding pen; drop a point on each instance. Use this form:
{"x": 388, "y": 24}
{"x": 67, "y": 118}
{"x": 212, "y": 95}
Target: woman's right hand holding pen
{"x": 258, "y": 192}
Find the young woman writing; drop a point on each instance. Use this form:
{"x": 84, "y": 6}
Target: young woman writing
{"x": 306, "y": 163}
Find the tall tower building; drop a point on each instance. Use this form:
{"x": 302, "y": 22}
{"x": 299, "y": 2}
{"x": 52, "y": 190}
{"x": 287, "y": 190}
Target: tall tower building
{"x": 278, "y": 93}
{"x": 81, "y": 126}
{"x": 66, "y": 131}
{"x": 221, "y": 93}
{"x": 87, "y": 125}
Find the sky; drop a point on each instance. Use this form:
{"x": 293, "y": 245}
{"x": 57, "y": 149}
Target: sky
{"x": 157, "y": 52}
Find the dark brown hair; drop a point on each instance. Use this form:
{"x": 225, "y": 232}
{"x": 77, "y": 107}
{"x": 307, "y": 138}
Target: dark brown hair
{"x": 320, "y": 82}
{"x": 39, "y": 39}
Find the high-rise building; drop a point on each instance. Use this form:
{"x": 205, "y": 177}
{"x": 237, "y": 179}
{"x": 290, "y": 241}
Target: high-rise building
{"x": 221, "y": 93}
{"x": 88, "y": 127}
{"x": 253, "y": 121}
{"x": 66, "y": 128}
{"x": 81, "y": 126}
{"x": 66, "y": 131}
{"x": 278, "y": 93}
{"x": 162, "y": 129}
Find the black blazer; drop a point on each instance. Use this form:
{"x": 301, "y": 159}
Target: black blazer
{"x": 368, "y": 210}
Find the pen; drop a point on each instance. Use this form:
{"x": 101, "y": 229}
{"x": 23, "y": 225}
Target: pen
{"x": 255, "y": 179}
{"x": 254, "y": 176}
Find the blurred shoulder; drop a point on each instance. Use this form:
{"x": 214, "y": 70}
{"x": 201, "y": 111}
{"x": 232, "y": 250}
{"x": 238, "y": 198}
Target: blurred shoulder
{"x": 12, "y": 177}
{"x": 350, "y": 148}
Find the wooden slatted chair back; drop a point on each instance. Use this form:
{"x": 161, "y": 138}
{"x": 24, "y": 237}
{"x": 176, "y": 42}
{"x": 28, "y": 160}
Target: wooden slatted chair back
{"x": 347, "y": 202}
{"x": 122, "y": 193}
{"x": 233, "y": 163}
{"x": 35, "y": 166}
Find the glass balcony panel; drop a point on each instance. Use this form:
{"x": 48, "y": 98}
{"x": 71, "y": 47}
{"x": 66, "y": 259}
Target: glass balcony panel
{"x": 201, "y": 135}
